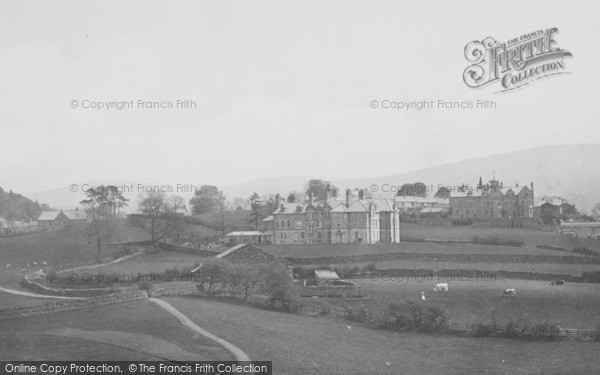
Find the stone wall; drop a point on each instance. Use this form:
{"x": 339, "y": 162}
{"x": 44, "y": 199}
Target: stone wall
{"x": 330, "y": 291}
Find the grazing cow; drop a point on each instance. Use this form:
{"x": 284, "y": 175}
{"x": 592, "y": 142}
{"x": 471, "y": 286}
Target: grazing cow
{"x": 557, "y": 282}
{"x": 44, "y": 263}
{"x": 35, "y": 263}
{"x": 8, "y": 266}
{"x": 509, "y": 293}
{"x": 23, "y": 270}
{"x": 442, "y": 287}
{"x": 423, "y": 296}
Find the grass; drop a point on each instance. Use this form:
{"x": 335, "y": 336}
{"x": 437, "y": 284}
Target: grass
{"x": 528, "y": 236}
{"x": 303, "y": 345}
{"x": 551, "y": 268}
{"x": 572, "y": 305}
{"x": 8, "y": 299}
{"x": 309, "y": 251}
{"x": 138, "y": 330}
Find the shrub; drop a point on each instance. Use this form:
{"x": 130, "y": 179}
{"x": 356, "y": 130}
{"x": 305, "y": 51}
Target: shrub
{"x": 51, "y": 276}
{"x": 492, "y": 240}
{"x": 370, "y": 267}
{"x": 483, "y": 330}
{"x": 458, "y": 222}
{"x": 585, "y": 251}
{"x": 358, "y": 314}
{"x": 172, "y": 271}
{"x": 146, "y": 285}
{"x": 545, "y": 331}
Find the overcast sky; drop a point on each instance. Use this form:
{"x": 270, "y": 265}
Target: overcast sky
{"x": 282, "y": 88}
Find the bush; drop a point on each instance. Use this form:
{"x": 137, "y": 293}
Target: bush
{"x": 411, "y": 315}
{"x": 172, "y": 271}
{"x": 495, "y": 241}
{"x": 585, "y": 251}
{"x": 371, "y": 267}
{"x": 146, "y": 285}
{"x": 522, "y": 328}
{"x": 483, "y": 330}
{"x": 358, "y": 314}
{"x": 458, "y": 222}
{"x": 51, "y": 276}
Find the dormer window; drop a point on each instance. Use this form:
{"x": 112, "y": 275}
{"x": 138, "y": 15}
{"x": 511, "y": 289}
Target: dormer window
{"x": 309, "y": 215}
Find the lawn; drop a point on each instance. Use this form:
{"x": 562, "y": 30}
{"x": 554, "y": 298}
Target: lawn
{"x": 528, "y": 236}
{"x": 8, "y": 299}
{"x": 551, "y": 268}
{"x": 310, "y": 251}
{"x": 304, "y": 345}
{"x": 139, "y": 330}
{"x": 572, "y": 305}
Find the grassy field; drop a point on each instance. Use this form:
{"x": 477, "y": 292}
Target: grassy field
{"x": 56, "y": 248}
{"x": 528, "y": 236}
{"x": 138, "y": 330}
{"x": 303, "y": 345}
{"x": 572, "y": 305}
{"x": 147, "y": 263}
{"x": 309, "y": 251}
{"x": 552, "y": 268}
{"x": 8, "y": 299}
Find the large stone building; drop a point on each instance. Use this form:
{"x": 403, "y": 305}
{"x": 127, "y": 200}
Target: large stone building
{"x": 355, "y": 220}
{"x": 493, "y": 201}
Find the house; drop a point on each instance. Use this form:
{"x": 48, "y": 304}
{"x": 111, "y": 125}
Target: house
{"x": 332, "y": 221}
{"x": 249, "y": 254}
{"x": 554, "y": 207}
{"x": 581, "y": 229}
{"x": 410, "y": 204}
{"x": 493, "y": 201}
{"x": 60, "y": 219}
{"x": 250, "y": 237}
{"x": 326, "y": 277}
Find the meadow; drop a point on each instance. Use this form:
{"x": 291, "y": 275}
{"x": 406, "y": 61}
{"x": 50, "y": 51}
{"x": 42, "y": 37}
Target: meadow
{"x": 139, "y": 330}
{"x": 309, "y": 251}
{"x": 305, "y": 345}
{"x": 572, "y": 305}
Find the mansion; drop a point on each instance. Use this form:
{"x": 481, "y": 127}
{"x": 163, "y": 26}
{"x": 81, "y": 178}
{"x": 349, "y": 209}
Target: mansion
{"x": 334, "y": 221}
{"x": 493, "y": 200}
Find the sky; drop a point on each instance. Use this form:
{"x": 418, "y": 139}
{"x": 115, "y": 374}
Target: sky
{"x": 282, "y": 88}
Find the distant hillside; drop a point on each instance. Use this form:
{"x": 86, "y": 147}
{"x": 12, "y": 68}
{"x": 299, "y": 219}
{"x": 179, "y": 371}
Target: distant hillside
{"x": 570, "y": 172}
{"x": 15, "y": 207}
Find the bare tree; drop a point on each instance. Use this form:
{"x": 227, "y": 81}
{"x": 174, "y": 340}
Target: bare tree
{"x": 157, "y": 215}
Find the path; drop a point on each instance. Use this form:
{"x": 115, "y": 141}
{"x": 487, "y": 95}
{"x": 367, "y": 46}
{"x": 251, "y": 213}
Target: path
{"x": 237, "y": 352}
{"x": 26, "y": 294}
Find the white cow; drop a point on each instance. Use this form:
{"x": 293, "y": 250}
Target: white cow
{"x": 509, "y": 293}
{"x": 442, "y": 287}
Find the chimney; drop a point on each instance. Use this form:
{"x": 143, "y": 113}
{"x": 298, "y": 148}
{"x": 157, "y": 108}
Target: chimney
{"x": 361, "y": 194}
{"x": 277, "y": 200}
{"x": 310, "y": 197}
{"x": 531, "y": 185}
{"x": 327, "y": 193}
{"x": 347, "y": 197}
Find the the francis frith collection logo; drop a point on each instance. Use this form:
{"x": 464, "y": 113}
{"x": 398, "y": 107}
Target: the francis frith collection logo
{"x": 515, "y": 63}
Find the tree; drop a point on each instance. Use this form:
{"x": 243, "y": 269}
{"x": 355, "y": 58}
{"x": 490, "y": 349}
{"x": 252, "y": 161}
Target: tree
{"x": 443, "y": 192}
{"x": 240, "y": 203}
{"x": 212, "y": 271}
{"x": 101, "y": 206}
{"x": 596, "y": 211}
{"x": 248, "y": 277}
{"x": 418, "y": 189}
{"x": 318, "y": 188}
{"x": 255, "y": 205}
{"x": 177, "y": 202}
{"x": 205, "y": 200}
{"x": 278, "y": 284}
{"x": 157, "y": 215}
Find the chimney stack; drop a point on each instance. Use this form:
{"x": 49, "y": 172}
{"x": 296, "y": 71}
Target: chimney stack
{"x": 277, "y": 200}
{"x": 310, "y": 197}
{"x": 361, "y": 194}
{"x": 347, "y": 197}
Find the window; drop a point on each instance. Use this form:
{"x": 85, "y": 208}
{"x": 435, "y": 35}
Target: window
{"x": 319, "y": 236}
{"x": 311, "y": 228}
{"x": 289, "y": 224}
{"x": 319, "y": 224}
{"x": 303, "y": 236}
{"x": 282, "y": 224}
{"x": 310, "y": 215}
{"x": 277, "y": 224}
{"x": 356, "y": 235}
{"x": 299, "y": 224}
{"x": 282, "y": 236}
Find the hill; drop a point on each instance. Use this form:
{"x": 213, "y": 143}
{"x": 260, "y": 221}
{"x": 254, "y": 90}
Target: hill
{"x": 566, "y": 171}
{"x": 16, "y": 207}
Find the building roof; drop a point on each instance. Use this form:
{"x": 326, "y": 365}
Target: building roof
{"x": 410, "y": 199}
{"x": 358, "y": 206}
{"x": 383, "y": 204}
{"x": 269, "y": 218}
{"x": 580, "y": 224}
{"x": 326, "y": 274}
{"x": 340, "y": 208}
{"x": 48, "y": 215}
{"x": 433, "y": 210}
{"x": 237, "y": 247}
{"x": 244, "y": 233}
{"x": 75, "y": 215}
